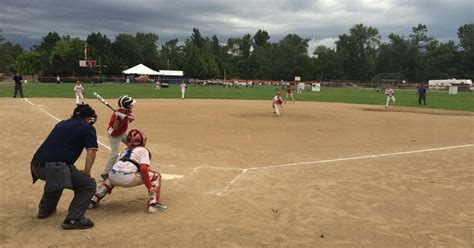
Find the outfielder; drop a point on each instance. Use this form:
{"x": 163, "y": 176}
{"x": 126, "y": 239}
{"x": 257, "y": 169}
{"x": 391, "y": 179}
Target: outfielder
{"x": 300, "y": 88}
{"x": 289, "y": 92}
{"x": 79, "y": 89}
{"x": 132, "y": 170}
{"x": 276, "y": 103}
{"x": 390, "y": 96}
{"x": 183, "y": 87}
{"x": 116, "y": 130}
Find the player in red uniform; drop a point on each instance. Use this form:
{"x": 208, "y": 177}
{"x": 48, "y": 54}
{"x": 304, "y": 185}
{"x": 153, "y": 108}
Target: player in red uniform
{"x": 116, "y": 130}
{"x": 289, "y": 92}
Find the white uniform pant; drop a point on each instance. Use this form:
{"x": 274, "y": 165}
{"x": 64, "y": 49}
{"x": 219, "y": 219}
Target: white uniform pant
{"x": 128, "y": 180}
{"x": 114, "y": 150}
{"x": 183, "y": 91}
{"x": 390, "y": 98}
{"x": 79, "y": 98}
{"x": 276, "y": 109}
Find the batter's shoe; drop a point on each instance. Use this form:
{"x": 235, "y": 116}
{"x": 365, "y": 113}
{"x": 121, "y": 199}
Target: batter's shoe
{"x": 155, "y": 207}
{"x": 83, "y": 223}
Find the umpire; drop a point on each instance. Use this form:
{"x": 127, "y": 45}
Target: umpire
{"x": 18, "y": 87}
{"x": 54, "y": 161}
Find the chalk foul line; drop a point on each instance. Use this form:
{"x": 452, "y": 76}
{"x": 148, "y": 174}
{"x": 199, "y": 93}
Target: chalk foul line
{"x": 243, "y": 171}
{"x": 163, "y": 176}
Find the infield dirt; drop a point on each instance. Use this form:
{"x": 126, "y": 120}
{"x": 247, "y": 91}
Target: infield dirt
{"x": 252, "y": 179}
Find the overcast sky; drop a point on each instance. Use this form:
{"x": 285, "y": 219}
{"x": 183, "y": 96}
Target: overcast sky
{"x": 26, "y": 21}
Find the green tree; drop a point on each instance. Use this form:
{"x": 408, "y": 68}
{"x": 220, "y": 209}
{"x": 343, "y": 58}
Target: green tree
{"x": 261, "y": 57}
{"x": 442, "y": 61}
{"x": 326, "y": 64}
{"x": 29, "y": 63}
{"x": 66, "y": 55}
{"x": 8, "y": 54}
{"x": 466, "y": 42}
{"x": 127, "y": 50}
{"x": 147, "y": 49}
{"x": 419, "y": 41}
{"x": 99, "y": 48}
{"x": 171, "y": 55}
{"x": 357, "y": 51}
{"x": 199, "y": 62}
{"x": 291, "y": 58}
{"x": 394, "y": 56}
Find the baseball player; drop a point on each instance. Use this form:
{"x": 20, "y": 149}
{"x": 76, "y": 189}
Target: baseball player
{"x": 300, "y": 88}
{"x": 390, "y": 96}
{"x": 157, "y": 84}
{"x": 289, "y": 92}
{"x": 133, "y": 169}
{"x": 116, "y": 130}
{"x": 183, "y": 87}
{"x": 276, "y": 103}
{"x": 79, "y": 89}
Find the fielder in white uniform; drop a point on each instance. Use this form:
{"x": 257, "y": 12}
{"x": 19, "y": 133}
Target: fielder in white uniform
{"x": 132, "y": 170}
{"x": 390, "y": 96}
{"x": 183, "y": 89}
{"x": 79, "y": 89}
{"x": 276, "y": 103}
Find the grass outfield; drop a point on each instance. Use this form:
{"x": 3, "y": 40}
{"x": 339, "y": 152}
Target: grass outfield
{"x": 437, "y": 100}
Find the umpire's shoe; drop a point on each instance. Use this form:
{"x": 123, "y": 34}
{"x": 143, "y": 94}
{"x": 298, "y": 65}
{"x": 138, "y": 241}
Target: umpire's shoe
{"x": 44, "y": 215}
{"x": 83, "y": 223}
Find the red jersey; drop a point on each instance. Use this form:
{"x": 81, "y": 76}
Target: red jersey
{"x": 123, "y": 123}
{"x": 289, "y": 90}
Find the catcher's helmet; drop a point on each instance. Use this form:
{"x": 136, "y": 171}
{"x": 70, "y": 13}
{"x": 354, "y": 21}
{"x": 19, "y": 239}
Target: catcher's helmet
{"x": 136, "y": 138}
{"x": 126, "y": 102}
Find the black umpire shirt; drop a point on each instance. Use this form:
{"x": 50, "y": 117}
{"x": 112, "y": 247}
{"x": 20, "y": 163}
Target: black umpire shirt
{"x": 66, "y": 142}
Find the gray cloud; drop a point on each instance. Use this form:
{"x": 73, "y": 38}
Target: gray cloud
{"x": 26, "y": 21}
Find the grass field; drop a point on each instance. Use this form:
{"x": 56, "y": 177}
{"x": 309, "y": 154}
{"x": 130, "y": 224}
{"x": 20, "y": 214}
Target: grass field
{"x": 437, "y": 100}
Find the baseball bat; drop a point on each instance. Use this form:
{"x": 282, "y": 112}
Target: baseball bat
{"x": 103, "y": 101}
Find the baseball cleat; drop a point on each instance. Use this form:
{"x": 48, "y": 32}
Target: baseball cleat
{"x": 153, "y": 208}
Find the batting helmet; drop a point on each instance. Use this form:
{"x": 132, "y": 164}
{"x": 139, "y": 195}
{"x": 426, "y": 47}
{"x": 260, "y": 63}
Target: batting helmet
{"x": 136, "y": 138}
{"x": 126, "y": 102}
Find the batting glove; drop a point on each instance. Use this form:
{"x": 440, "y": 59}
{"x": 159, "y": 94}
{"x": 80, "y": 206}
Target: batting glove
{"x": 120, "y": 115}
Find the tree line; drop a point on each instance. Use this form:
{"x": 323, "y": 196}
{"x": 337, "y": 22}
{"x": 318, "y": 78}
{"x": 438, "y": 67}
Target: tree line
{"x": 360, "y": 55}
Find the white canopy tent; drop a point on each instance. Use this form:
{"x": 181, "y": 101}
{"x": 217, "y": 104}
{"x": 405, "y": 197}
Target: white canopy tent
{"x": 171, "y": 73}
{"x": 141, "y": 70}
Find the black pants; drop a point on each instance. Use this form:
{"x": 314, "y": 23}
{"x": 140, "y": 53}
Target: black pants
{"x": 422, "y": 98}
{"x": 18, "y": 88}
{"x": 83, "y": 186}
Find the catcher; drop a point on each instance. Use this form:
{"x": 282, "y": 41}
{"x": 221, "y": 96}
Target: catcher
{"x": 132, "y": 170}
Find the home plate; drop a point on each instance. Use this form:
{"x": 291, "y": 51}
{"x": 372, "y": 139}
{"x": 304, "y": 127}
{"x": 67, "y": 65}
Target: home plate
{"x": 171, "y": 176}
